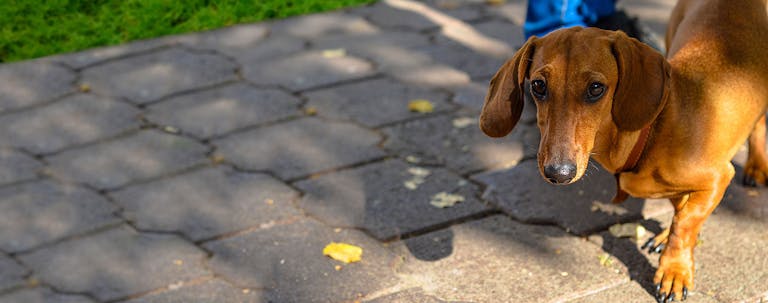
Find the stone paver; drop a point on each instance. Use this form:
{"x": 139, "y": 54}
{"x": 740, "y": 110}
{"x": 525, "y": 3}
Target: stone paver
{"x": 300, "y": 147}
{"x": 377, "y": 198}
{"x": 207, "y": 203}
{"x": 307, "y": 70}
{"x": 36, "y": 213}
{"x": 111, "y": 164}
{"x": 499, "y": 260}
{"x": 152, "y": 76}
{"x": 41, "y": 295}
{"x": 71, "y": 121}
{"x": 216, "y": 166}
{"x": 16, "y": 166}
{"x": 373, "y": 103}
{"x": 218, "y": 111}
{"x": 207, "y": 292}
{"x": 288, "y": 260}
{"x": 11, "y": 273}
{"x": 455, "y": 141}
{"x": 28, "y": 83}
{"x": 116, "y": 263}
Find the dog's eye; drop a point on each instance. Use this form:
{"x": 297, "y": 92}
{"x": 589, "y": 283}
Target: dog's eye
{"x": 595, "y": 91}
{"x": 539, "y": 88}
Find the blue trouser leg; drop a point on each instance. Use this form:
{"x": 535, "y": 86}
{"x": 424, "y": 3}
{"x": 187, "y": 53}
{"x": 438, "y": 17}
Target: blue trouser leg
{"x": 544, "y": 16}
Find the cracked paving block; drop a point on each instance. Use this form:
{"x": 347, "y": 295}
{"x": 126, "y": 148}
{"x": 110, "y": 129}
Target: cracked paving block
{"x": 33, "y": 82}
{"x": 36, "y": 213}
{"x": 149, "y": 77}
{"x": 16, "y": 166}
{"x": 300, "y": 147}
{"x": 318, "y": 25}
{"x": 218, "y": 111}
{"x": 455, "y": 141}
{"x": 507, "y": 34}
{"x": 499, "y": 260}
{"x": 581, "y": 208}
{"x": 207, "y": 202}
{"x": 41, "y": 295}
{"x": 407, "y": 296}
{"x": 116, "y": 263}
{"x": 71, "y": 121}
{"x": 373, "y": 103}
{"x": 389, "y": 50}
{"x": 210, "y": 291}
{"x": 111, "y": 164}
{"x": 288, "y": 260}
{"x": 388, "y": 199}
{"x": 12, "y": 274}
{"x": 307, "y": 70}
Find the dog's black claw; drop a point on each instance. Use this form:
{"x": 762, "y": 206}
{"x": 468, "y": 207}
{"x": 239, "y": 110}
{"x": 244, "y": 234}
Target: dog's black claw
{"x": 663, "y": 297}
{"x": 671, "y": 297}
{"x": 685, "y": 293}
{"x": 658, "y": 248}
{"x": 647, "y": 244}
{"x": 749, "y": 181}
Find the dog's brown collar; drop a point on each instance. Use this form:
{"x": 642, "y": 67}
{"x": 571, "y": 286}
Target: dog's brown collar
{"x": 634, "y": 157}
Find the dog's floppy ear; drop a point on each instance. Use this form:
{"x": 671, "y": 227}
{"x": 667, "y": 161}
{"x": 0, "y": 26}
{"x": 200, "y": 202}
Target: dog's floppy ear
{"x": 504, "y": 102}
{"x": 643, "y": 83}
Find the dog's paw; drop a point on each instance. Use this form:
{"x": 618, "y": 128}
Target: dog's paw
{"x": 755, "y": 172}
{"x": 673, "y": 279}
{"x": 656, "y": 244}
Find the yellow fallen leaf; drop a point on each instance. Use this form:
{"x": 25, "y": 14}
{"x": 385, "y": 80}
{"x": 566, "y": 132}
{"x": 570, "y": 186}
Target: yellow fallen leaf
{"x": 421, "y": 106}
{"x": 310, "y": 111}
{"x": 343, "y": 252}
{"x": 605, "y": 260}
{"x": 334, "y": 53}
{"x": 627, "y": 230}
{"x": 753, "y": 193}
{"x": 443, "y": 200}
{"x": 495, "y": 2}
{"x": 84, "y": 87}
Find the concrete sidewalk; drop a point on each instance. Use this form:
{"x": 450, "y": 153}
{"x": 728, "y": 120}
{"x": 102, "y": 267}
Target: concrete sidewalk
{"x": 215, "y": 167}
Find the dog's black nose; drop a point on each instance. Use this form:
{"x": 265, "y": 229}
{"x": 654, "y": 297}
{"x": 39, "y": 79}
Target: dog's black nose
{"x": 560, "y": 173}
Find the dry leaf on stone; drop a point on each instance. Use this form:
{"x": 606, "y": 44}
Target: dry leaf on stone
{"x": 419, "y": 176}
{"x": 627, "y": 230}
{"x": 334, "y": 53}
{"x": 605, "y": 260}
{"x": 343, "y": 252}
{"x": 421, "y": 106}
{"x": 310, "y": 111}
{"x": 608, "y": 208}
{"x": 413, "y": 159}
{"x": 443, "y": 200}
{"x": 463, "y": 122}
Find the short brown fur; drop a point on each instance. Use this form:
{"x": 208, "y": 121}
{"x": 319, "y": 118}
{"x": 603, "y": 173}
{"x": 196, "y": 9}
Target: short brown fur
{"x": 701, "y": 103}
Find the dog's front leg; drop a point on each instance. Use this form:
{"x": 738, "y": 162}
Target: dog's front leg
{"x": 674, "y": 277}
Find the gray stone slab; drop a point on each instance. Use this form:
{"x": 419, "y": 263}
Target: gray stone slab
{"x": 499, "y": 260}
{"x": 220, "y": 110}
{"x": 511, "y": 10}
{"x": 288, "y": 259}
{"x": 235, "y": 37}
{"x": 377, "y": 198}
{"x": 580, "y": 208}
{"x": 407, "y": 296}
{"x": 98, "y": 55}
{"x": 457, "y": 142}
{"x": 33, "y": 82}
{"x": 307, "y": 70}
{"x": 508, "y": 34}
{"x": 631, "y": 291}
{"x": 318, "y": 25}
{"x": 375, "y": 102}
{"x": 154, "y": 75}
{"x": 41, "y": 295}
{"x": 16, "y": 166}
{"x": 385, "y": 14}
{"x": 116, "y": 263}
{"x": 71, "y": 121}
{"x": 36, "y": 213}
{"x": 475, "y": 64}
{"x": 472, "y": 95}
{"x": 300, "y": 147}
{"x": 430, "y": 75}
{"x": 210, "y": 291}
{"x": 389, "y": 50}
{"x": 110, "y": 164}
{"x": 11, "y": 273}
{"x": 207, "y": 202}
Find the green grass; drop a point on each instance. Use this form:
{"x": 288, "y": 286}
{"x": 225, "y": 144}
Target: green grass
{"x": 36, "y": 28}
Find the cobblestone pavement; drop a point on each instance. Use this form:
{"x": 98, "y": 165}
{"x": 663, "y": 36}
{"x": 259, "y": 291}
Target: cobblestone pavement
{"x": 214, "y": 167}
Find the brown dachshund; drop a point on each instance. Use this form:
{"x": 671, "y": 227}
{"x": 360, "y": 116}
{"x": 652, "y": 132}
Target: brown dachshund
{"x": 666, "y": 128}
